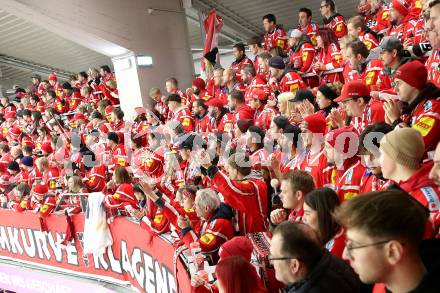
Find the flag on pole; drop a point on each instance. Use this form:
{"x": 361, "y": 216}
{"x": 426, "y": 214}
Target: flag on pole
{"x": 213, "y": 25}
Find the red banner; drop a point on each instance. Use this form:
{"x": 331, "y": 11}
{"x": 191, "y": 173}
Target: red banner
{"x": 135, "y": 258}
{"x": 213, "y": 24}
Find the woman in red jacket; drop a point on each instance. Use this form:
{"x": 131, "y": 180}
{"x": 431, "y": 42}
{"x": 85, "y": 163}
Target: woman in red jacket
{"x": 328, "y": 60}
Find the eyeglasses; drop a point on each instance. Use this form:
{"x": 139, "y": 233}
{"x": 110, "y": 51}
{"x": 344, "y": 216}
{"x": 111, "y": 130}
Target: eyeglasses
{"x": 322, "y": 6}
{"x": 349, "y": 247}
{"x": 270, "y": 258}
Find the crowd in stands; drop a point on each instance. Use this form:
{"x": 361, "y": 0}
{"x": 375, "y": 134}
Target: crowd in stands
{"x": 318, "y": 158}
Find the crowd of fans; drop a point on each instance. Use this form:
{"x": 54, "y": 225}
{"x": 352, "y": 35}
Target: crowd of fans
{"x": 318, "y": 157}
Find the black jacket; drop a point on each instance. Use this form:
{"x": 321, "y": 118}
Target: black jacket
{"x": 331, "y": 274}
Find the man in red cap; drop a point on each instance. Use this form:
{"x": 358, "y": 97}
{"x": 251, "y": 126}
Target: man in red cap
{"x": 422, "y": 110}
{"x": 356, "y": 100}
{"x": 197, "y": 91}
{"x": 263, "y": 113}
{"x": 341, "y": 149}
{"x": 221, "y": 119}
{"x": 314, "y": 127}
{"x": 402, "y": 27}
{"x": 56, "y": 86}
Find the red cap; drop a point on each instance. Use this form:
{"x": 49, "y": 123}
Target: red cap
{"x": 334, "y": 138}
{"x": 199, "y": 83}
{"x": 52, "y": 76}
{"x": 316, "y": 123}
{"x": 237, "y": 246}
{"x": 47, "y": 147}
{"x": 215, "y": 102}
{"x": 353, "y": 89}
{"x": 258, "y": 94}
{"x": 40, "y": 189}
{"x": 401, "y": 6}
{"x": 413, "y": 73}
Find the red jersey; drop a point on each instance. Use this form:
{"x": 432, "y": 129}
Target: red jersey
{"x": 337, "y": 24}
{"x": 370, "y": 183}
{"x": 331, "y": 59}
{"x": 202, "y": 124}
{"x": 119, "y": 156}
{"x": 183, "y": 115}
{"x": 426, "y": 119}
{"x": 373, "y": 113}
{"x": 238, "y": 64}
{"x": 248, "y": 196}
{"x": 379, "y": 20}
{"x": 257, "y": 82}
{"x": 264, "y": 117}
{"x": 348, "y": 184}
{"x": 304, "y": 56}
{"x": 402, "y": 31}
{"x": 275, "y": 38}
{"x": 223, "y": 124}
{"x": 314, "y": 164}
{"x": 372, "y": 72}
{"x": 336, "y": 245}
{"x": 215, "y": 231}
{"x": 311, "y": 29}
{"x": 369, "y": 40}
{"x": 291, "y": 82}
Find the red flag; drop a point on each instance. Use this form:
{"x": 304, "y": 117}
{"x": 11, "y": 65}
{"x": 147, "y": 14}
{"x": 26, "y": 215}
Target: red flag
{"x": 213, "y": 25}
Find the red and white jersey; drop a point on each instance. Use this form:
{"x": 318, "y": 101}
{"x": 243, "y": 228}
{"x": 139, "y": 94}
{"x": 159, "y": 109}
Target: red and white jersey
{"x": 162, "y": 109}
{"x": 314, "y": 164}
{"x": 402, "y": 31}
{"x": 291, "y": 82}
{"x": 296, "y": 215}
{"x": 331, "y": 57}
{"x": 419, "y": 32}
{"x": 264, "y": 117}
{"x": 311, "y": 29}
{"x": 372, "y": 72}
{"x": 370, "y": 183}
{"x": 337, "y": 24}
{"x": 379, "y": 20}
{"x": 183, "y": 115}
{"x": 238, "y": 64}
{"x": 224, "y": 124}
{"x": 369, "y": 40}
{"x": 275, "y": 38}
{"x": 257, "y": 82}
{"x": 259, "y": 159}
{"x": 304, "y": 56}
{"x": 426, "y": 119}
{"x": 202, "y": 124}
{"x": 348, "y": 184}
{"x": 349, "y": 73}
{"x": 433, "y": 66}
{"x": 248, "y": 196}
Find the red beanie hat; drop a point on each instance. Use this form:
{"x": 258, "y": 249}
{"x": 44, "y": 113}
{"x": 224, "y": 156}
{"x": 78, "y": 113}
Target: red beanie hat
{"x": 237, "y": 246}
{"x": 341, "y": 145}
{"x": 199, "y": 83}
{"x": 316, "y": 123}
{"x": 40, "y": 189}
{"x": 413, "y": 73}
{"x": 401, "y": 6}
{"x": 258, "y": 94}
